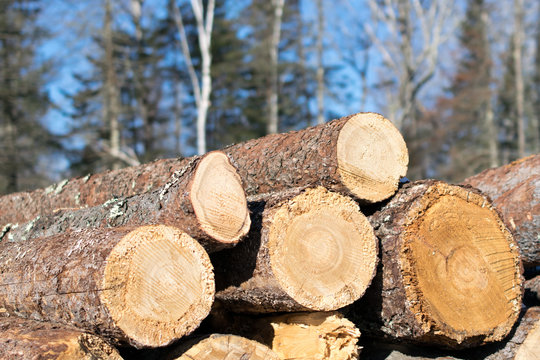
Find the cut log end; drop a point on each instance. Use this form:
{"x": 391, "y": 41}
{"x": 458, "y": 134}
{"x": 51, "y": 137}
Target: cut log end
{"x": 462, "y": 272}
{"x": 323, "y": 251}
{"x": 219, "y": 200}
{"x": 372, "y": 156}
{"x": 220, "y": 347}
{"x": 159, "y": 285}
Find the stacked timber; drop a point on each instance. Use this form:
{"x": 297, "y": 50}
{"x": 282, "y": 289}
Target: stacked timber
{"x": 281, "y": 247}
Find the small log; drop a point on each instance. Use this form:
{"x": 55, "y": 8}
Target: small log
{"x": 219, "y": 347}
{"x": 309, "y": 335}
{"x": 88, "y": 191}
{"x": 515, "y": 191}
{"x": 361, "y": 155}
{"x": 29, "y": 340}
{"x": 450, "y": 272}
{"x": 309, "y": 252}
{"x": 205, "y": 199}
{"x": 146, "y": 286}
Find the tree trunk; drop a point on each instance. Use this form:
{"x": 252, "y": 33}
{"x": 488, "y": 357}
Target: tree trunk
{"x": 311, "y": 251}
{"x": 273, "y": 121}
{"x": 204, "y": 198}
{"x": 362, "y": 155}
{"x": 320, "y": 67}
{"x": 29, "y": 340}
{"x": 518, "y": 70}
{"x": 219, "y": 347}
{"x": 515, "y": 191}
{"x": 301, "y": 336}
{"x": 145, "y": 286}
{"x": 450, "y": 272}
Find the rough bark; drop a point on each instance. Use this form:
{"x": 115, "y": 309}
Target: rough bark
{"x": 515, "y": 191}
{"x": 312, "y": 251}
{"x": 218, "y": 347}
{"x": 450, "y": 271}
{"x": 87, "y": 191}
{"x": 308, "y": 335}
{"x": 30, "y": 340}
{"x": 145, "y": 286}
{"x": 204, "y": 198}
{"x": 362, "y": 155}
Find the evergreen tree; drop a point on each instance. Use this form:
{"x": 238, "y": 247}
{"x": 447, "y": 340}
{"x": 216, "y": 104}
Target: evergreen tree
{"x": 468, "y": 112}
{"x": 24, "y": 140}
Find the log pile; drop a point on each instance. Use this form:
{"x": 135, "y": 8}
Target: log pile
{"x": 302, "y": 245}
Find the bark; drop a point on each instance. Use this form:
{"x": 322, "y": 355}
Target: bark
{"x": 222, "y": 346}
{"x": 145, "y": 286}
{"x": 309, "y": 335}
{"x": 29, "y": 340}
{"x": 204, "y": 198}
{"x": 88, "y": 191}
{"x": 312, "y": 251}
{"x": 362, "y": 155}
{"x": 450, "y": 271}
{"x": 515, "y": 191}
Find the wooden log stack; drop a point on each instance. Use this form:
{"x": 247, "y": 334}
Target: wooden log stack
{"x": 300, "y": 245}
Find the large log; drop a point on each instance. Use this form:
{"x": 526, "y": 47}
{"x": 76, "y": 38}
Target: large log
{"x": 88, "y": 191}
{"x": 362, "y": 155}
{"x": 450, "y": 271}
{"x": 30, "y": 340}
{"x": 145, "y": 286}
{"x": 532, "y": 290}
{"x": 205, "y": 199}
{"x": 515, "y": 191}
{"x": 312, "y": 251}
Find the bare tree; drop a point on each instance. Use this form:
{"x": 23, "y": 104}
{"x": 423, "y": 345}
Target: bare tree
{"x": 202, "y": 90}
{"x": 320, "y": 67}
{"x": 110, "y": 96}
{"x": 518, "y": 69}
{"x": 273, "y": 120}
{"x": 411, "y": 65}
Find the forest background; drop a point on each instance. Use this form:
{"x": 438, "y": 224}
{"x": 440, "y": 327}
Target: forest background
{"x": 91, "y": 85}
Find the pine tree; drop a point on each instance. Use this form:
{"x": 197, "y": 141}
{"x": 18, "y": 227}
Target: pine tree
{"x": 469, "y": 120}
{"x": 24, "y": 140}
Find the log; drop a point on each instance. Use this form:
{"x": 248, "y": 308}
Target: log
{"x": 361, "y": 155}
{"x": 515, "y": 191}
{"x": 88, "y": 191}
{"x": 450, "y": 271}
{"x": 29, "y": 340}
{"x": 205, "y": 199}
{"x": 314, "y": 251}
{"x": 308, "y": 335}
{"x": 145, "y": 286}
{"x": 220, "y": 346}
